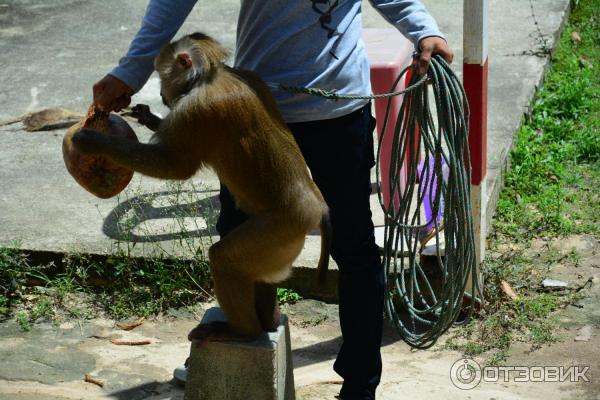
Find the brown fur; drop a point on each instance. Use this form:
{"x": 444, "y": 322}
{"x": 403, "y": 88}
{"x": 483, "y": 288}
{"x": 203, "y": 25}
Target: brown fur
{"x": 227, "y": 119}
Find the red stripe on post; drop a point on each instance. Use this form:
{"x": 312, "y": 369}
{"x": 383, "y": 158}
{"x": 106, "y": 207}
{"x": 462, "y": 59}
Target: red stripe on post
{"x": 382, "y": 79}
{"x": 475, "y": 82}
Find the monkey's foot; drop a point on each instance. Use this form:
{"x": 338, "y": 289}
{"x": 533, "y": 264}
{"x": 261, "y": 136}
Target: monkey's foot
{"x": 217, "y": 331}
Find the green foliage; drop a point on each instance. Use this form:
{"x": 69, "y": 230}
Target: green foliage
{"x": 287, "y": 296}
{"x": 555, "y": 169}
{"x": 14, "y": 268}
{"x": 4, "y": 305}
{"x": 550, "y": 190}
{"x": 23, "y": 321}
{"x": 136, "y": 286}
{"x": 120, "y": 285}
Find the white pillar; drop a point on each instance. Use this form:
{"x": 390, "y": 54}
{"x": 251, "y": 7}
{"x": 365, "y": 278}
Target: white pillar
{"x": 475, "y": 81}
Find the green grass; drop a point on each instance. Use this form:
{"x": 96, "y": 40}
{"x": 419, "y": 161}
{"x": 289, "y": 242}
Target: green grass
{"x": 551, "y": 190}
{"x": 14, "y": 268}
{"x": 287, "y": 296}
{"x": 551, "y": 187}
{"x": 119, "y": 285}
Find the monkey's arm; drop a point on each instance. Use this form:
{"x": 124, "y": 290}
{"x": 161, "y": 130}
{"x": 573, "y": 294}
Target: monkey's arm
{"x": 152, "y": 159}
{"x": 144, "y": 116}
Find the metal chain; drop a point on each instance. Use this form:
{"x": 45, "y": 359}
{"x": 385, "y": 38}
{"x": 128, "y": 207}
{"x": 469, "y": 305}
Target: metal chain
{"x": 333, "y": 95}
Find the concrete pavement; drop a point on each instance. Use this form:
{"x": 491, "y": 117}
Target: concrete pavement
{"x": 53, "y": 52}
{"x": 50, "y": 361}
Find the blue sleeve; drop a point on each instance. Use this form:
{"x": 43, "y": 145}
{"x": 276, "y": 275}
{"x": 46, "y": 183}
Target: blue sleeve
{"x": 161, "y": 22}
{"x": 410, "y": 17}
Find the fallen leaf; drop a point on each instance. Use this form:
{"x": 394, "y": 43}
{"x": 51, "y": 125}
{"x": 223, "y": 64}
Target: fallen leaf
{"x": 575, "y": 37}
{"x": 91, "y": 379}
{"x": 50, "y": 118}
{"x": 10, "y": 120}
{"x": 508, "y": 290}
{"x": 130, "y": 326}
{"x": 125, "y": 342}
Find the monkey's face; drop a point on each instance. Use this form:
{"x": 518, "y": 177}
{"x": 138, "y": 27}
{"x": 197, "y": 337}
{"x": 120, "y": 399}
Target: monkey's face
{"x": 181, "y": 64}
{"x": 176, "y": 71}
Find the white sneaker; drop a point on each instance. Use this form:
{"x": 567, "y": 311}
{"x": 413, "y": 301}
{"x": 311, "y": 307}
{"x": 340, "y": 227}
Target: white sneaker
{"x": 180, "y": 373}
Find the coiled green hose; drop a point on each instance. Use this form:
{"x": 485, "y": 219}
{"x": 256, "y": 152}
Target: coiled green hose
{"x": 425, "y": 294}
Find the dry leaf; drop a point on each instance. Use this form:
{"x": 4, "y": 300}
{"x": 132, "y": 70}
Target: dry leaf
{"x": 575, "y": 37}
{"x": 508, "y": 290}
{"x": 50, "y": 118}
{"x": 10, "y": 120}
{"x": 585, "y": 63}
{"x": 91, "y": 379}
{"x": 125, "y": 342}
{"x": 130, "y": 326}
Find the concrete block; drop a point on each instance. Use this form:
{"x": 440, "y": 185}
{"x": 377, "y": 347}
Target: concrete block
{"x": 261, "y": 369}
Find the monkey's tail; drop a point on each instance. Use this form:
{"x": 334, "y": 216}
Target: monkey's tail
{"x": 325, "y": 228}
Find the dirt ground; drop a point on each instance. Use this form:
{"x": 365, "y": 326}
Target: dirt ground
{"x": 50, "y": 361}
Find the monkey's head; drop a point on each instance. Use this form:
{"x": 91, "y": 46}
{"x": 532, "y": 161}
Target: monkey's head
{"x": 190, "y": 60}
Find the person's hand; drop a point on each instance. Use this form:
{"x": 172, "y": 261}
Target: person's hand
{"x": 112, "y": 94}
{"x": 430, "y": 46}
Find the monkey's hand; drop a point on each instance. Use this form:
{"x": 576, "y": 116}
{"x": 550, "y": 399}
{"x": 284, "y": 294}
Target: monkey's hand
{"x": 144, "y": 116}
{"x": 89, "y": 141}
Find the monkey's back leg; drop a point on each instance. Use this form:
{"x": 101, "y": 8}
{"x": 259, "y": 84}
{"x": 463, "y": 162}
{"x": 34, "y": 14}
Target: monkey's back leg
{"x": 267, "y": 306}
{"x": 262, "y": 249}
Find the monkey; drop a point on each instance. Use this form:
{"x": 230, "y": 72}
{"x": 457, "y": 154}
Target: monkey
{"x": 227, "y": 119}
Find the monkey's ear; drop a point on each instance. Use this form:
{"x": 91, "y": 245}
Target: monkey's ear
{"x": 184, "y": 60}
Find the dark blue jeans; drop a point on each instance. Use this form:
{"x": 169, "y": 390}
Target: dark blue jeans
{"x": 339, "y": 153}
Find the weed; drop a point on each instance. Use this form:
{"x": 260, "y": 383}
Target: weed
{"x": 14, "y": 267}
{"x": 538, "y": 306}
{"x": 573, "y": 257}
{"x": 557, "y": 150}
{"x": 42, "y": 309}
{"x": 287, "y": 296}
{"x": 23, "y": 321}
{"x": 550, "y": 191}
{"x": 4, "y": 305}
{"x": 121, "y": 284}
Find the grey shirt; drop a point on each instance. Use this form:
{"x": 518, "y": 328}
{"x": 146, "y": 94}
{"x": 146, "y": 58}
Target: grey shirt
{"x": 287, "y": 42}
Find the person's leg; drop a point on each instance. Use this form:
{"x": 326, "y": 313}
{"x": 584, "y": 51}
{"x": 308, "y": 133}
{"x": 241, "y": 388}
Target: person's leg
{"x": 339, "y": 153}
{"x": 229, "y": 216}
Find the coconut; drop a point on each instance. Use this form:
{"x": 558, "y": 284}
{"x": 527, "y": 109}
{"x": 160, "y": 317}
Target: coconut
{"x": 99, "y": 175}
